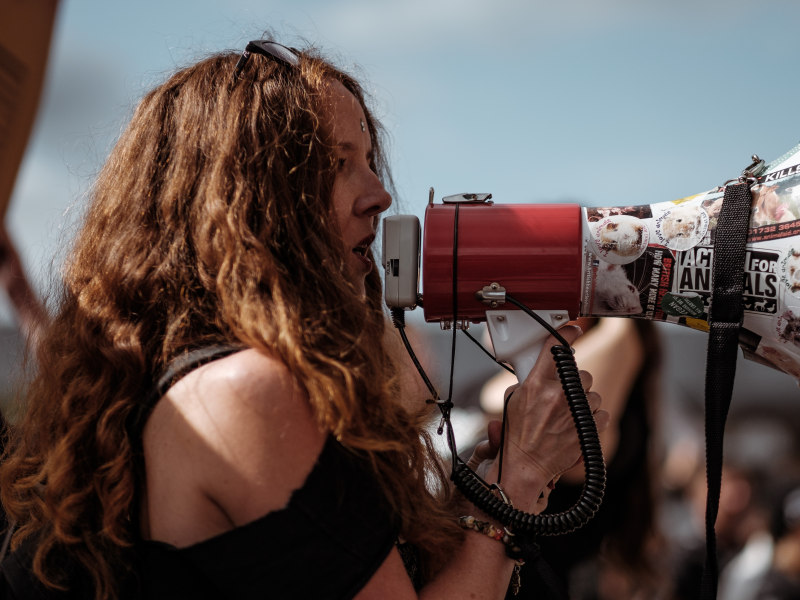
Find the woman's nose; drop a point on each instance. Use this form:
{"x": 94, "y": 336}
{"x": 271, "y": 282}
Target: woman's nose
{"x": 375, "y": 199}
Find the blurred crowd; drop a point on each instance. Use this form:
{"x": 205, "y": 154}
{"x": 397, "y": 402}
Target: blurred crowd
{"x": 648, "y": 539}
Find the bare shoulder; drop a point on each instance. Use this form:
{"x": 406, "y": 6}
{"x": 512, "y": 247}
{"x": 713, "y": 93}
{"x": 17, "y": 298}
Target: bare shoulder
{"x": 236, "y": 435}
{"x": 246, "y": 390}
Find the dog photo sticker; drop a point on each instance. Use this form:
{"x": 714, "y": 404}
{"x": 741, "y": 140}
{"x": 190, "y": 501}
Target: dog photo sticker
{"x": 619, "y": 239}
{"x": 597, "y": 213}
{"x": 788, "y": 326}
{"x": 614, "y": 293}
{"x": 682, "y": 227}
{"x": 774, "y": 204}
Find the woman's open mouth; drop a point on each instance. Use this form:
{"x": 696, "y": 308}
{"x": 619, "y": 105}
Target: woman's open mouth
{"x": 361, "y": 251}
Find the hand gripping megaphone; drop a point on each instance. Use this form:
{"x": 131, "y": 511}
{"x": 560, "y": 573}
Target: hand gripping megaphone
{"x": 652, "y": 261}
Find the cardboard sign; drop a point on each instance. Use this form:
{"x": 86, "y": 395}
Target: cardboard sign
{"x": 25, "y": 31}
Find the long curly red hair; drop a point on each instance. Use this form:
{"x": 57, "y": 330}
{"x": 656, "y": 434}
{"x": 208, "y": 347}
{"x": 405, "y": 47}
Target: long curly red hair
{"x": 209, "y": 223}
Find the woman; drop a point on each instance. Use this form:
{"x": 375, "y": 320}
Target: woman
{"x": 235, "y": 217}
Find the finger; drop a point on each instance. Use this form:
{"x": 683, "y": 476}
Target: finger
{"x": 545, "y": 366}
{"x": 602, "y": 420}
{"x": 595, "y": 400}
{"x": 509, "y": 391}
{"x": 481, "y": 453}
{"x": 495, "y": 431}
{"x": 586, "y": 380}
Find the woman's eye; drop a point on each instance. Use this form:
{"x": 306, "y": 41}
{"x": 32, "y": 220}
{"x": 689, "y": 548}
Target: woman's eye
{"x": 340, "y": 163}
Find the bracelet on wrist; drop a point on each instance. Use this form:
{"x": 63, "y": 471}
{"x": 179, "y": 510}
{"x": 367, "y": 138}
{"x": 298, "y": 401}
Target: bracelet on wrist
{"x": 501, "y": 535}
{"x": 490, "y": 530}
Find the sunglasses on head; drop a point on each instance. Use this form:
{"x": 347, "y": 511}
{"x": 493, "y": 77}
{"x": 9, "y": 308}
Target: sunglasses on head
{"x": 279, "y": 52}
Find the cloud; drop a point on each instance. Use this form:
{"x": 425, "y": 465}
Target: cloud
{"x": 416, "y": 26}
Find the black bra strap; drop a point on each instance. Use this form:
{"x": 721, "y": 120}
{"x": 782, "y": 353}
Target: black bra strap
{"x": 186, "y": 363}
{"x": 178, "y": 368}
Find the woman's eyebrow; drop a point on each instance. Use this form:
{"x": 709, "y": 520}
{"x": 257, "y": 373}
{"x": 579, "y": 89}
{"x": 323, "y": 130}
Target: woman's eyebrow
{"x": 351, "y": 147}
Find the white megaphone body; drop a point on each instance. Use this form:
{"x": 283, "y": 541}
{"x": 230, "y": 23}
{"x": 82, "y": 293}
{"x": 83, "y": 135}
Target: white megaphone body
{"x": 652, "y": 261}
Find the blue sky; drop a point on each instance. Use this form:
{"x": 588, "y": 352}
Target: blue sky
{"x": 601, "y": 103}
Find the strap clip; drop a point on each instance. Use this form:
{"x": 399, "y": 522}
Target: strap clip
{"x": 755, "y": 169}
{"x": 750, "y": 174}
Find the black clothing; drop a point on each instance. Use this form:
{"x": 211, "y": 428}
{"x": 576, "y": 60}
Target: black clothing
{"x": 17, "y": 581}
{"x": 327, "y": 543}
{"x": 777, "y": 586}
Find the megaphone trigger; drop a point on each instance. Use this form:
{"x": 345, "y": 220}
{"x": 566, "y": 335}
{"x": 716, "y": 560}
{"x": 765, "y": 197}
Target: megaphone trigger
{"x": 516, "y": 337}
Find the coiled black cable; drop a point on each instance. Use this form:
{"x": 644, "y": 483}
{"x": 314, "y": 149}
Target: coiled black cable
{"x": 480, "y": 494}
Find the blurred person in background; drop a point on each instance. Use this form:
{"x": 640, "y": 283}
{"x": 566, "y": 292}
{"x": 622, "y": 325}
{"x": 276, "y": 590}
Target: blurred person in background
{"x": 31, "y": 317}
{"x": 782, "y": 579}
{"x": 618, "y": 554}
{"x": 743, "y": 543}
{"x": 27, "y": 305}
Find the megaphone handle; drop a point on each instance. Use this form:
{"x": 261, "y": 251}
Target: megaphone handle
{"x": 480, "y": 494}
{"x": 517, "y": 339}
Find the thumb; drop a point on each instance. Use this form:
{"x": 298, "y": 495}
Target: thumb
{"x": 545, "y": 366}
{"x": 494, "y": 431}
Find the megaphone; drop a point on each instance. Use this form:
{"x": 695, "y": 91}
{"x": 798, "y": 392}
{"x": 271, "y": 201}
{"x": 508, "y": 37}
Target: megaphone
{"x": 652, "y": 261}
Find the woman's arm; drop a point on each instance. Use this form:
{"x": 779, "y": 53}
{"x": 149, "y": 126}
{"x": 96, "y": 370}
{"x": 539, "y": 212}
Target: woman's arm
{"x": 541, "y": 444}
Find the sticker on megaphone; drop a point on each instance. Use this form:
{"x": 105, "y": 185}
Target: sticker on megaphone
{"x": 655, "y": 262}
{"x": 689, "y": 304}
{"x": 652, "y": 261}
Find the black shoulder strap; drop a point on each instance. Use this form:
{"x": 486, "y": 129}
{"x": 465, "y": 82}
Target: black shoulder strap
{"x": 186, "y": 363}
{"x": 178, "y": 368}
{"x": 725, "y": 320}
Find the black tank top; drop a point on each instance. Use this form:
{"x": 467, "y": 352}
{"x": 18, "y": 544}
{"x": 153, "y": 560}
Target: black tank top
{"x": 326, "y": 543}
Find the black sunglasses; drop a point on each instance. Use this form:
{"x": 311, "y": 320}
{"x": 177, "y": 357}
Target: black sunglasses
{"x": 283, "y": 54}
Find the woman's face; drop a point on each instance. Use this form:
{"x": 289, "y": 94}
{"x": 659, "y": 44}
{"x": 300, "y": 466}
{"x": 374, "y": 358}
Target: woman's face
{"x": 358, "y": 195}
